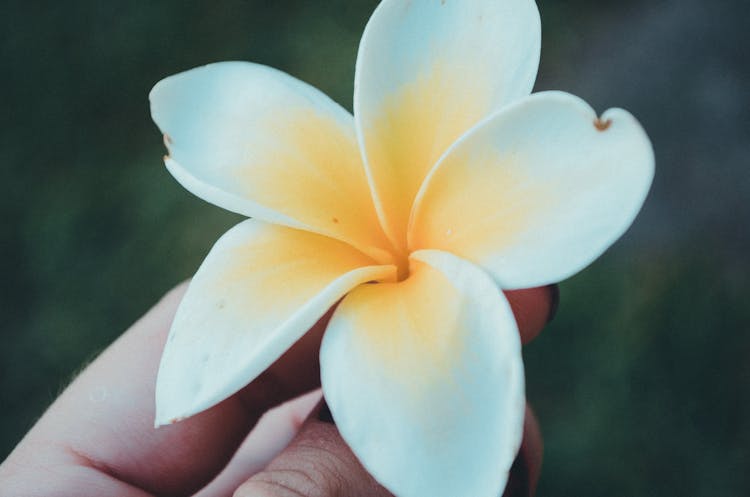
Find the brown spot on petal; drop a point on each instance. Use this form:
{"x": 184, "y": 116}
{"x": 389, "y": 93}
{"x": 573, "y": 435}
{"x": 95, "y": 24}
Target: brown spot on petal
{"x": 335, "y": 220}
{"x": 603, "y": 125}
{"x": 167, "y": 140}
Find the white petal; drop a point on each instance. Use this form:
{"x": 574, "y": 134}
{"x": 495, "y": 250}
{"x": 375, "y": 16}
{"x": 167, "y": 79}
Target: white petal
{"x": 427, "y": 71}
{"x": 258, "y": 142}
{"x": 258, "y": 291}
{"x": 425, "y": 380}
{"x": 537, "y": 192}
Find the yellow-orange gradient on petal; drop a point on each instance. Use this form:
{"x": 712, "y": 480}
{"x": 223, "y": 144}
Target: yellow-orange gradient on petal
{"x": 413, "y": 327}
{"x": 280, "y": 268}
{"x": 432, "y": 365}
{"x": 537, "y": 192}
{"x": 258, "y": 142}
{"x": 319, "y": 180}
{"x": 259, "y": 290}
{"x": 477, "y": 201}
{"x": 409, "y": 133}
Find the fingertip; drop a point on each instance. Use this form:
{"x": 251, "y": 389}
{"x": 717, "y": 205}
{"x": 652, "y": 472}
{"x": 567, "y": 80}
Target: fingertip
{"x": 173, "y": 297}
{"x": 532, "y": 448}
{"x": 156, "y": 322}
{"x": 524, "y": 474}
{"x": 533, "y": 308}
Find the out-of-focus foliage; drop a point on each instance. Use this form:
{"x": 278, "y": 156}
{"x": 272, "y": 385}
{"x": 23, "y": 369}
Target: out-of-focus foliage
{"x": 642, "y": 383}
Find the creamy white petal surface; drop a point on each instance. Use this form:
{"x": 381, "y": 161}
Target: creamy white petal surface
{"x": 258, "y": 142}
{"x": 449, "y": 177}
{"x": 258, "y": 291}
{"x": 427, "y": 71}
{"x": 537, "y": 192}
{"x": 425, "y": 381}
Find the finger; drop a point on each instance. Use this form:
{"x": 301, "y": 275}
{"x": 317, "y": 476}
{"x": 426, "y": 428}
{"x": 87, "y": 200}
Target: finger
{"x": 524, "y": 474}
{"x": 104, "y": 420}
{"x": 533, "y": 308}
{"x": 532, "y": 448}
{"x": 49, "y": 476}
{"x": 274, "y": 431}
{"x": 317, "y": 463}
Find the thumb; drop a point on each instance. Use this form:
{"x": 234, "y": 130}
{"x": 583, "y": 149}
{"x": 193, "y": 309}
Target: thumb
{"x": 317, "y": 463}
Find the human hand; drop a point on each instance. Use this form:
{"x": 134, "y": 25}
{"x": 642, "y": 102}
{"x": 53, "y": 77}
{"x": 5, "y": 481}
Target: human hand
{"x": 98, "y": 439}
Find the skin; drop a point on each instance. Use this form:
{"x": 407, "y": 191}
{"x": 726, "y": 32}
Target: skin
{"x": 98, "y": 440}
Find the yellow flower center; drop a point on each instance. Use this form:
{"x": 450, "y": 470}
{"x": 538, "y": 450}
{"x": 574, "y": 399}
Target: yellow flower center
{"x": 401, "y": 260}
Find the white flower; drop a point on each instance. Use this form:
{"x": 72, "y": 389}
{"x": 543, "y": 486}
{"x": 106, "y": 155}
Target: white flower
{"x": 448, "y": 184}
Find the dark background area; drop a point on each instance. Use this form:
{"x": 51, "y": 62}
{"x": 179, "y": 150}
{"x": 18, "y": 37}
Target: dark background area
{"x": 642, "y": 382}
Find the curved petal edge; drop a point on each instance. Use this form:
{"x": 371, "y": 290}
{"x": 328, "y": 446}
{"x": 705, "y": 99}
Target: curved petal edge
{"x": 538, "y": 191}
{"x": 427, "y": 71}
{"x": 259, "y": 290}
{"x": 425, "y": 374}
{"x": 261, "y": 143}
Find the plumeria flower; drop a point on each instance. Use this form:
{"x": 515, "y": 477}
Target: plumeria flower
{"x": 449, "y": 184}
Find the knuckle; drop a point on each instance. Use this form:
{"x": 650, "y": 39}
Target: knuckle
{"x": 287, "y": 483}
{"x": 260, "y": 487}
{"x": 317, "y": 464}
{"x": 313, "y": 466}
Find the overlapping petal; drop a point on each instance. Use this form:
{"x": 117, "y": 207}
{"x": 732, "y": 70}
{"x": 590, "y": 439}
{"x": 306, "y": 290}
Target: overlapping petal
{"x": 425, "y": 381}
{"x": 476, "y": 186}
{"x": 537, "y": 192}
{"x": 259, "y": 290}
{"x": 258, "y": 142}
{"x": 427, "y": 71}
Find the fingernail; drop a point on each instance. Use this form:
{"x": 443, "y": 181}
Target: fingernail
{"x": 324, "y": 414}
{"x": 554, "y": 301}
{"x": 518, "y": 480}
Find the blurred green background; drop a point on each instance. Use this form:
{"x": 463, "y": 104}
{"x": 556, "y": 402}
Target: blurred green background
{"x": 642, "y": 383}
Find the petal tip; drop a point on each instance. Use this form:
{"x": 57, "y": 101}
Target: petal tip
{"x": 159, "y": 422}
{"x": 168, "y": 415}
